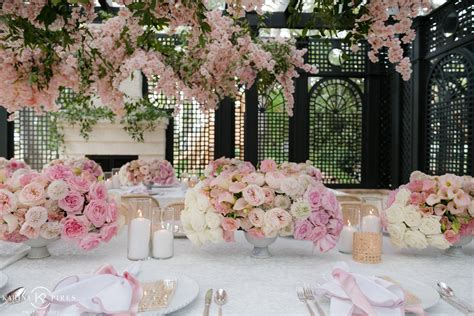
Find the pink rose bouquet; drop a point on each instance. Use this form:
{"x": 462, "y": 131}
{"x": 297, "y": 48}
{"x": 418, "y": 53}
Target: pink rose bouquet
{"x": 235, "y": 196}
{"x": 8, "y": 167}
{"x": 83, "y": 167}
{"x": 57, "y": 203}
{"x": 155, "y": 171}
{"x": 430, "y": 211}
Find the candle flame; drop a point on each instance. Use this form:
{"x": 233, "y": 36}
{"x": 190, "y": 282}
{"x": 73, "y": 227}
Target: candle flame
{"x": 140, "y": 214}
{"x": 348, "y": 223}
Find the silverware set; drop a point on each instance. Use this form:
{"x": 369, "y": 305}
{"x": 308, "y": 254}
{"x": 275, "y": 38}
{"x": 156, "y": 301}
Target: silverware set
{"x": 447, "y": 294}
{"x": 220, "y": 299}
{"x": 306, "y": 294}
{"x": 13, "y": 297}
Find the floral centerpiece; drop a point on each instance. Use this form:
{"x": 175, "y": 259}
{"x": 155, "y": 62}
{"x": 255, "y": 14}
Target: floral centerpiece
{"x": 154, "y": 171}
{"x": 84, "y": 167}
{"x": 272, "y": 201}
{"x": 8, "y": 167}
{"x": 57, "y": 203}
{"x": 431, "y": 211}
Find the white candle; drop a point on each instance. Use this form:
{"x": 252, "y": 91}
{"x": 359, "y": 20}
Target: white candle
{"x": 371, "y": 223}
{"x": 115, "y": 182}
{"x": 139, "y": 238}
{"x": 108, "y": 184}
{"x": 345, "y": 240}
{"x": 163, "y": 244}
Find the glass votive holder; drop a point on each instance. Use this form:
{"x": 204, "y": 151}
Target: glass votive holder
{"x": 108, "y": 180}
{"x": 139, "y": 229}
{"x": 115, "y": 178}
{"x": 163, "y": 233}
{"x": 351, "y": 215}
{"x": 367, "y": 247}
{"x": 370, "y": 220}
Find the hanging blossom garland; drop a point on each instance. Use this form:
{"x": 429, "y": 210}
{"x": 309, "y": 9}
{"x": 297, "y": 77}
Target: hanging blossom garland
{"x": 49, "y": 46}
{"x": 389, "y": 25}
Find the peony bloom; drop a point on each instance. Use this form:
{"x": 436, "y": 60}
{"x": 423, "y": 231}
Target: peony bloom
{"x": 73, "y": 203}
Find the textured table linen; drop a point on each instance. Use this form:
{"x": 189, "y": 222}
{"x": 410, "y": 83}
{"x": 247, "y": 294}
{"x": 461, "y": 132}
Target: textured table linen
{"x": 256, "y": 287}
{"x": 165, "y": 196}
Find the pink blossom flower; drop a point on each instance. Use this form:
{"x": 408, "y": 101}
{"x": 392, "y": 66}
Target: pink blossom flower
{"x": 74, "y": 227}
{"x": 108, "y": 231}
{"x": 230, "y": 224}
{"x": 254, "y": 195}
{"x": 268, "y": 165}
{"x": 461, "y": 199}
{"x": 89, "y": 241}
{"x": 97, "y": 212}
{"x": 451, "y": 236}
{"x": 417, "y": 198}
{"x": 73, "y": 203}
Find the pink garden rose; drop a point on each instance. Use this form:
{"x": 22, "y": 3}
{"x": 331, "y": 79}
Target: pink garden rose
{"x": 73, "y": 203}
{"x": 36, "y": 216}
{"x": 268, "y": 165}
{"x": 58, "y": 172}
{"x": 32, "y": 194}
{"x": 89, "y": 241}
{"x": 79, "y": 184}
{"x": 15, "y": 237}
{"x": 74, "y": 227}
{"x": 319, "y": 218}
{"x": 327, "y": 243}
{"x": 273, "y": 179}
{"x": 7, "y": 202}
{"x": 97, "y": 212}
{"x": 113, "y": 213}
{"x": 451, "y": 236}
{"x": 254, "y": 195}
{"x": 27, "y": 178}
{"x": 256, "y": 233}
{"x": 277, "y": 218}
{"x": 314, "y": 196}
{"x": 108, "y": 231}
{"x": 97, "y": 191}
{"x": 230, "y": 224}
{"x": 229, "y": 236}
{"x": 257, "y": 217}
{"x": 303, "y": 229}
{"x": 30, "y": 231}
{"x": 254, "y": 178}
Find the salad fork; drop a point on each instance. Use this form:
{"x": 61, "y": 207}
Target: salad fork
{"x": 303, "y": 299}
{"x": 308, "y": 293}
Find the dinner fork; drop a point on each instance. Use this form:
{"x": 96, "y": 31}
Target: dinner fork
{"x": 308, "y": 293}
{"x": 302, "y": 298}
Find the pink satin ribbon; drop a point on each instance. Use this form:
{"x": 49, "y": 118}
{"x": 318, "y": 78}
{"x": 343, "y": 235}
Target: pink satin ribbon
{"x": 353, "y": 291}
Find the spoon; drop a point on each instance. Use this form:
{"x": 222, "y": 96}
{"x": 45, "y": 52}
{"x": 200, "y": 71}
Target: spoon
{"x": 220, "y": 298}
{"x": 13, "y": 297}
{"x": 448, "y": 292}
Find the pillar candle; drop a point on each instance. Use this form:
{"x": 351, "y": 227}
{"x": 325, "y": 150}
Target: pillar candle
{"x": 371, "y": 223}
{"x": 115, "y": 181}
{"x": 345, "y": 240}
{"x": 139, "y": 238}
{"x": 163, "y": 244}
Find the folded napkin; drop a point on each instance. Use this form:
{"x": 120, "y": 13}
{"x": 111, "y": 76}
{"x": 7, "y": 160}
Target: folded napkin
{"x": 11, "y": 253}
{"x": 138, "y": 189}
{"x": 106, "y": 291}
{"x": 357, "y": 294}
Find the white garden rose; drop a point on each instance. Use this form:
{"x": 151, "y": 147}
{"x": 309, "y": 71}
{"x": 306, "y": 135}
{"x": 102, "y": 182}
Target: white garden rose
{"x": 215, "y": 235}
{"x": 50, "y": 230}
{"x": 203, "y": 236}
{"x": 57, "y": 190}
{"x": 398, "y": 243}
{"x": 394, "y": 214}
{"x": 438, "y": 241}
{"x": 397, "y": 232}
{"x": 287, "y": 231}
{"x": 300, "y": 209}
{"x": 282, "y": 201}
{"x": 411, "y": 216}
{"x": 190, "y": 199}
{"x": 198, "y": 220}
{"x": 292, "y": 187}
{"x": 213, "y": 220}
{"x": 416, "y": 239}
{"x": 194, "y": 237}
{"x": 269, "y": 231}
{"x": 430, "y": 225}
{"x": 203, "y": 202}
{"x": 403, "y": 196}
{"x": 418, "y": 175}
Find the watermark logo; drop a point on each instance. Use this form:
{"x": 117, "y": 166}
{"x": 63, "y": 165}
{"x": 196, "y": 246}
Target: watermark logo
{"x": 38, "y": 297}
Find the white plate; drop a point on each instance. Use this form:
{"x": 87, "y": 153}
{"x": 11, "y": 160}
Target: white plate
{"x": 186, "y": 292}
{"x": 427, "y": 294}
{"x": 3, "y": 279}
{"x": 166, "y": 185}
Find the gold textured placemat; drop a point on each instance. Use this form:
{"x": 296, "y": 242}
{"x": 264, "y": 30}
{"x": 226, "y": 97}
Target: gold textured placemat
{"x": 157, "y": 295}
{"x": 410, "y": 298}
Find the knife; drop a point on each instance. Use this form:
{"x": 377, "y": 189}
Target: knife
{"x": 207, "y": 302}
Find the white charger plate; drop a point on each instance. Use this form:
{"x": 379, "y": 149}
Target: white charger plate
{"x": 3, "y": 279}
{"x": 427, "y": 294}
{"x": 186, "y": 292}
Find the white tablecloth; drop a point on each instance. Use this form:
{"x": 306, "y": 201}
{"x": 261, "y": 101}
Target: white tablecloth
{"x": 165, "y": 196}
{"x": 255, "y": 287}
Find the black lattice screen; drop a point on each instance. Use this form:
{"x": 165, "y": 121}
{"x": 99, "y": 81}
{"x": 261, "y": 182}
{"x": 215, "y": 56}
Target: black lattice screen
{"x": 406, "y": 131}
{"x": 32, "y": 139}
{"x": 318, "y": 54}
{"x": 239, "y": 137}
{"x": 273, "y": 126}
{"x": 449, "y": 115}
{"x": 335, "y": 133}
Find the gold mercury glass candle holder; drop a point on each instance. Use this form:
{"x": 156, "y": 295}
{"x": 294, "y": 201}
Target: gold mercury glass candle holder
{"x": 367, "y": 247}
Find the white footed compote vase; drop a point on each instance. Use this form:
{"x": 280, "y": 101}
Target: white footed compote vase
{"x": 39, "y": 248}
{"x": 260, "y": 250}
{"x": 456, "y": 249}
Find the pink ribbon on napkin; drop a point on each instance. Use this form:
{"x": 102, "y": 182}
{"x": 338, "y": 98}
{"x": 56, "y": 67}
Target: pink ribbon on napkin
{"x": 353, "y": 291}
